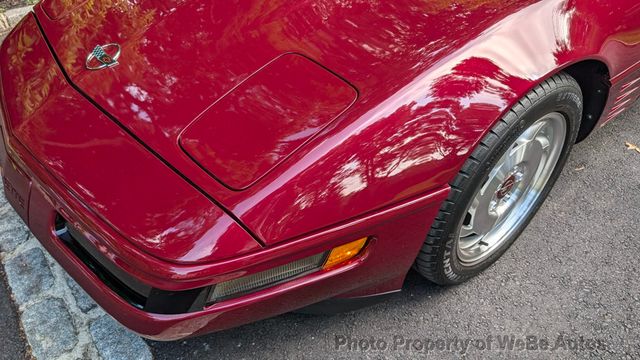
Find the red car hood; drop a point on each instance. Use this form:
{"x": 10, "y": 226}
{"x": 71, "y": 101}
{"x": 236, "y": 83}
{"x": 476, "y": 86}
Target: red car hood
{"x": 178, "y": 58}
{"x": 208, "y": 87}
{"x": 88, "y": 157}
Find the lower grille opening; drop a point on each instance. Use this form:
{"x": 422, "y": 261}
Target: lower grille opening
{"x": 70, "y": 237}
{"x": 139, "y": 295}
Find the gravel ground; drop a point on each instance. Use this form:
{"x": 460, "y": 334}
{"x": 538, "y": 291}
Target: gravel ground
{"x": 573, "y": 274}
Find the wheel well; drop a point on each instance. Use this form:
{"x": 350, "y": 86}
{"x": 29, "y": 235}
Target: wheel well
{"x": 593, "y": 78}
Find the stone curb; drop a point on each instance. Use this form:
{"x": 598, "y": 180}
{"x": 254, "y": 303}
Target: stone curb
{"x": 59, "y": 320}
{"x": 9, "y": 18}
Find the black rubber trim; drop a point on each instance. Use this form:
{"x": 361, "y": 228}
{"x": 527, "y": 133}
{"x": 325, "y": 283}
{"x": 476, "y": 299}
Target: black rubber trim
{"x": 138, "y": 140}
{"x": 137, "y": 294}
{"x": 118, "y": 286}
{"x": 176, "y": 302}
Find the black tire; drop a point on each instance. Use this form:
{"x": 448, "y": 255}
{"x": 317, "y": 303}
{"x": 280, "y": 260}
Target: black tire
{"x": 438, "y": 259}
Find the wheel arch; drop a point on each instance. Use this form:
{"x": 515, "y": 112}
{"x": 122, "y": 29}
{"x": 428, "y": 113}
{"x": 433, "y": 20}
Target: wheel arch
{"x": 593, "y": 76}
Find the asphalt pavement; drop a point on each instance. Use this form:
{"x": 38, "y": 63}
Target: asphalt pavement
{"x": 568, "y": 288}
{"x": 12, "y": 343}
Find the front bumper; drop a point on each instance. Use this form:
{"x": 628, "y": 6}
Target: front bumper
{"x": 381, "y": 269}
{"x": 41, "y": 198}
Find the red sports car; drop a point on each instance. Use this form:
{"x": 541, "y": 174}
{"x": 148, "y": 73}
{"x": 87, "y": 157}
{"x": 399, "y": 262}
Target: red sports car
{"x": 197, "y": 165}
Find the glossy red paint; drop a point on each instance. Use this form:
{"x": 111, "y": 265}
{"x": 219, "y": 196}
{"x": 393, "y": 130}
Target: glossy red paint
{"x": 286, "y": 103}
{"x": 435, "y": 74}
{"x": 432, "y": 78}
{"x": 100, "y": 164}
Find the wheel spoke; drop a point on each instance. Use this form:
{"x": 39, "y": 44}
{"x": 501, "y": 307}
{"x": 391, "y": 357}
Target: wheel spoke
{"x": 469, "y": 241}
{"x": 532, "y": 132}
{"x": 480, "y": 218}
{"x": 483, "y": 221}
{"x": 466, "y": 231}
{"x": 496, "y": 177}
{"x": 535, "y": 156}
{"x": 518, "y": 154}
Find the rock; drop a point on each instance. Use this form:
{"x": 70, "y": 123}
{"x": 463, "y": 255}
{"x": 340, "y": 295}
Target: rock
{"x": 15, "y": 15}
{"x": 83, "y": 300}
{"x": 13, "y": 230}
{"x": 28, "y": 275}
{"x": 49, "y": 329}
{"x": 115, "y": 342}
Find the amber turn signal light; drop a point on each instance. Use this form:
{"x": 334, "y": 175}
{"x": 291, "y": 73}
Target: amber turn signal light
{"x": 344, "y": 253}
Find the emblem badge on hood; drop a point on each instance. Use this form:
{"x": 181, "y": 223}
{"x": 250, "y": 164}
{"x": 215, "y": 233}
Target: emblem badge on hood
{"x": 103, "y": 56}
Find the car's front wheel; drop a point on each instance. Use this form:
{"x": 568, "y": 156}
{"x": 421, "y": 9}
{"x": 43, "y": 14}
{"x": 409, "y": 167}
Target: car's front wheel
{"x": 503, "y": 183}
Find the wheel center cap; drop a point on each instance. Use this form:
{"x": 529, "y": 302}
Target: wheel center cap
{"x": 505, "y": 188}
